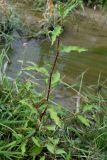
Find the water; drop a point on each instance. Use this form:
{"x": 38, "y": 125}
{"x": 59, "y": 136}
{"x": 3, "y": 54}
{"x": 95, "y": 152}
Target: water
{"x": 87, "y": 34}
{"x": 82, "y": 31}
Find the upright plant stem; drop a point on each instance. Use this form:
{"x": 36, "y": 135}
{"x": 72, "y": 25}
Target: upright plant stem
{"x": 52, "y": 70}
{"x": 50, "y": 77}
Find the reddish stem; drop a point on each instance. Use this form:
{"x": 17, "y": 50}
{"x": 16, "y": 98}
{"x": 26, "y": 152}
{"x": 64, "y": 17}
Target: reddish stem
{"x": 50, "y": 78}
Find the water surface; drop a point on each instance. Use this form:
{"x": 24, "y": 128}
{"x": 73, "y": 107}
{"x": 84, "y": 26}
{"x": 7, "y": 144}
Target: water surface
{"x": 82, "y": 31}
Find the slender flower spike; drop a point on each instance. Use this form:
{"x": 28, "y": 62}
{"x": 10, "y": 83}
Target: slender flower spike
{"x": 50, "y": 7}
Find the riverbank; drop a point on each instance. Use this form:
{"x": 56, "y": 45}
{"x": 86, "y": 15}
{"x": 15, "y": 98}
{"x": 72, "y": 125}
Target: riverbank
{"x": 63, "y": 118}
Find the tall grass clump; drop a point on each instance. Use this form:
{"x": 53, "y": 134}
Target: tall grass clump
{"x": 9, "y": 22}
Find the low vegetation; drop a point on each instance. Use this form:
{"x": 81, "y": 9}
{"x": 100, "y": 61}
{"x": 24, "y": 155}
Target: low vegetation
{"x": 32, "y": 125}
{"x": 27, "y": 132}
{"x": 9, "y": 22}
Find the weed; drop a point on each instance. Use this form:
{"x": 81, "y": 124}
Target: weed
{"x": 33, "y": 127}
{"x": 9, "y": 23}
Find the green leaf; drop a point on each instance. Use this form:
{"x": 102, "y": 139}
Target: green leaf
{"x": 70, "y": 6}
{"x": 36, "y": 151}
{"x": 51, "y": 148}
{"x": 54, "y": 116}
{"x": 88, "y": 108}
{"x": 11, "y": 145}
{"x": 68, "y": 49}
{"x": 37, "y": 68}
{"x": 61, "y": 10}
{"x": 25, "y": 102}
{"x": 19, "y": 137}
{"x": 60, "y": 151}
{"x": 83, "y": 120}
{"x": 55, "y": 33}
{"x": 42, "y": 158}
{"x": 56, "y": 141}
{"x": 36, "y": 141}
{"x": 51, "y": 127}
{"x": 67, "y": 9}
{"x": 55, "y": 78}
{"x": 31, "y": 133}
{"x": 23, "y": 148}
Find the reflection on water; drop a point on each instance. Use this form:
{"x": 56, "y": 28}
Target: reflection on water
{"x": 70, "y": 65}
{"x": 86, "y": 34}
